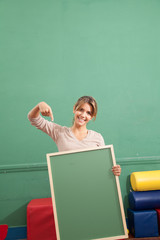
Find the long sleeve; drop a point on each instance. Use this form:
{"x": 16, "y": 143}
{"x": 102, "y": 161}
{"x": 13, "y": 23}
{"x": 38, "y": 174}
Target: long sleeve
{"x": 50, "y": 128}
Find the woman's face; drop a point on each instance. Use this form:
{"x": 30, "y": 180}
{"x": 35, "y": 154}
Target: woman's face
{"x": 83, "y": 115}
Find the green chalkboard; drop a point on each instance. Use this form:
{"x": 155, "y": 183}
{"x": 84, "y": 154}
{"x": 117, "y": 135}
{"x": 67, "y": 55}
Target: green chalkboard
{"x": 86, "y": 202}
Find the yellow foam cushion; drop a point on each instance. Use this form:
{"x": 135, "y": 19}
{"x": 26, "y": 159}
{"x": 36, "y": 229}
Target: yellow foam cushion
{"x": 145, "y": 181}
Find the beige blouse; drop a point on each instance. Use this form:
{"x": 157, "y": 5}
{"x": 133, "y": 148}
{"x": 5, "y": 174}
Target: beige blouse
{"x": 64, "y": 137}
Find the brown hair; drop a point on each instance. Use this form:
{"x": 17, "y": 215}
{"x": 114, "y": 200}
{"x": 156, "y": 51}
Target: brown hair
{"x": 91, "y": 101}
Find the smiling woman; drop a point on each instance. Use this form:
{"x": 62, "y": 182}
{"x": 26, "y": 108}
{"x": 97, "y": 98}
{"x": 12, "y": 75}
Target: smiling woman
{"x": 76, "y": 137}
{"x": 81, "y": 118}
{"x": 91, "y": 101}
{"x": 84, "y": 110}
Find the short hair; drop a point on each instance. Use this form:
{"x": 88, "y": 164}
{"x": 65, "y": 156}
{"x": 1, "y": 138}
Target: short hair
{"x": 91, "y": 101}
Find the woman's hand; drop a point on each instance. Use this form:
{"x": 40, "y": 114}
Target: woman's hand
{"x": 42, "y": 108}
{"x": 116, "y": 170}
{"x": 45, "y": 110}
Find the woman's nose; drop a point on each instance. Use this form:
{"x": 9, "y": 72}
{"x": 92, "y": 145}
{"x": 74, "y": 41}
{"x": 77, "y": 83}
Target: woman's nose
{"x": 83, "y": 114}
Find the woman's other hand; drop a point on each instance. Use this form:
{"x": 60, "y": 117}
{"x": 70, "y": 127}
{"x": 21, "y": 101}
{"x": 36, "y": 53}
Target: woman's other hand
{"x": 116, "y": 170}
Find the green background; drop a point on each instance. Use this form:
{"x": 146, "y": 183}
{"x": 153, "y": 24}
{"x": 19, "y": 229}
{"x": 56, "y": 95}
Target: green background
{"x": 59, "y": 50}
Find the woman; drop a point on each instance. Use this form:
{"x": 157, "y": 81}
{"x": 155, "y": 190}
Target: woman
{"x": 75, "y": 137}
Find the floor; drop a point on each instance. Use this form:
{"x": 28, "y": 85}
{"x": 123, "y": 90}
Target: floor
{"x": 131, "y": 237}
{"x": 151, "y": 238}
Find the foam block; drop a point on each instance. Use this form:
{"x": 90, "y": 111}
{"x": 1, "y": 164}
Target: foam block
{"x": 40, "y": 220}
{"x": 144, "y": 200}
{"x": 145, "y": 181}
{"x": 143, "y": 223}
{"x": 3, "y": 231}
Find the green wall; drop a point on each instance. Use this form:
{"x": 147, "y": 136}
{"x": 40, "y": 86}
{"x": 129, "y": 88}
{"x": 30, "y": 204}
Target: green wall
{"x": 59, "y": 50}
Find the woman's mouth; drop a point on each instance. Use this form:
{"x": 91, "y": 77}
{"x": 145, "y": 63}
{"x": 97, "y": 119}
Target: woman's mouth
{"x": 82, "y": 120}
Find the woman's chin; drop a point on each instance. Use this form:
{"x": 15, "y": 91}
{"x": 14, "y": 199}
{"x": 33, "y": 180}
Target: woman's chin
{"x": 80, "y": 124}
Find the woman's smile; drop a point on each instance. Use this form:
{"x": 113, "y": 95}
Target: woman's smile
{"x": 83, "y": 115}
{"x": 81, "y": 119}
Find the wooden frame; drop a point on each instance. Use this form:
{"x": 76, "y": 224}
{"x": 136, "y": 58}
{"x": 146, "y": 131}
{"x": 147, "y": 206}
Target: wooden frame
{"x": 63, "y": 169}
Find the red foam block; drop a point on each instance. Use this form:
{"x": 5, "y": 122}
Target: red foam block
{"x": 40, "y": 220}
{"x": 158, "y": 216}
{"x": 3, "y": 231}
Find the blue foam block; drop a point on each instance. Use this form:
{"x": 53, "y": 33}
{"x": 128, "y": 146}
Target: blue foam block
{"x": 143, "y": 223}
{"x": 144, "y": 200}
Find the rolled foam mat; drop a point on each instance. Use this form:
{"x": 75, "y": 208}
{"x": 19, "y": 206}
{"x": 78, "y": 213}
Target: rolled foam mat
{"x": 144, "y": 200}
{"x": 145, "y": 181}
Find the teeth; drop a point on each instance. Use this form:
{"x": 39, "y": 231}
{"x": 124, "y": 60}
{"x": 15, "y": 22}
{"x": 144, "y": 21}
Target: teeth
{"x": 81, "y": 120}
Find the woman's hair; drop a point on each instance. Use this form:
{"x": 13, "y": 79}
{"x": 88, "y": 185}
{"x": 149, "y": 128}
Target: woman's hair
{"x": 91, "y": 101}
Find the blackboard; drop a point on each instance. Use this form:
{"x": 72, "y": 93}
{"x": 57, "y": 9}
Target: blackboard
{"x": 86, "y": 195}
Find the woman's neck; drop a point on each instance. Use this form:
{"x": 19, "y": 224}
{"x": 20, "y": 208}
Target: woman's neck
{"x": 79, "y": 132}
{"x": 79, "y": 129}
